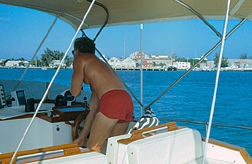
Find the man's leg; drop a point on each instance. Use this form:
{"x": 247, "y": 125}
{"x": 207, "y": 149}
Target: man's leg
{"x": 119, "y": 129}
{"x": 100, "y": 131}
{"x": 86, "y": 129}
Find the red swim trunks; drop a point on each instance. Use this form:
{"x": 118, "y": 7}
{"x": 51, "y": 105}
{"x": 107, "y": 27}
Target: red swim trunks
{"x": 117, "y": 104}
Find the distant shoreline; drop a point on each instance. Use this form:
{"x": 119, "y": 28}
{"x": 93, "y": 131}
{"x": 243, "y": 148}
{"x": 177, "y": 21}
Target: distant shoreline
{"x": 144, "y": 69}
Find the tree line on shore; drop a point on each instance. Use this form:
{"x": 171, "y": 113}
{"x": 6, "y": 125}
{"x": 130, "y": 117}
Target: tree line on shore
{"x": 49, "y": 55}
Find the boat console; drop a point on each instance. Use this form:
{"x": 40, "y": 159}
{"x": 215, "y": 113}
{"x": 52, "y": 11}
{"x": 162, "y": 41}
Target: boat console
{"x": 54, "y": 119}
{"x": 18, "y": 98}
{"x": 63, "y": 108}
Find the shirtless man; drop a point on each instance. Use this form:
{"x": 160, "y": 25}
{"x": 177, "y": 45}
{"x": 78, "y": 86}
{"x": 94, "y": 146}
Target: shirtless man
{"x": 111, "y": 107}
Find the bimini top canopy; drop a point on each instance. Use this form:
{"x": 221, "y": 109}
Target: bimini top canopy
{"x": 135, "y": 11}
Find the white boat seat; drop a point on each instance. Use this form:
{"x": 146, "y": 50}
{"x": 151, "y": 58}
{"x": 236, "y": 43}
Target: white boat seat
{"x": 113, "y": 154}
{"x": 180, "y": 146}
{"x": 117, "y": 146}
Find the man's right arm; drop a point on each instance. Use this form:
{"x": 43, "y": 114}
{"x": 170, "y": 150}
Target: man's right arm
{"x": 77, "y": 77}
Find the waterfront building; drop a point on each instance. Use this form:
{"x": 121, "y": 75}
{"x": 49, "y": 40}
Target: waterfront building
{"x": 55, "y": 63}
{"x": 17, "y": 63}
{"x": 161, "y": 59}
{"x": 182, "y": 65}
{"x": 240, "y": 63}
{"x": 128, "y": 63}
{"x": 207, "y": 65}
{"x": 137, "y": 56}
{"x": 114, "y": 62}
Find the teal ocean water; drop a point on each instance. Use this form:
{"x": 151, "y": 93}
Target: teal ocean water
{"x": 190, "y": 99}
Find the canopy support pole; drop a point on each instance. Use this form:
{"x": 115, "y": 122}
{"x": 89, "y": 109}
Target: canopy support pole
{"x": 141, "y": 69}
{"x": 216, "y": 82}
{"x": 200, "y": 17}
{"x": 35, "y": 54}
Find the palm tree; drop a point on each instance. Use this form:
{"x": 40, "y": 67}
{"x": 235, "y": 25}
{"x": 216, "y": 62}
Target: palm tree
{"x": 224, "y": 61}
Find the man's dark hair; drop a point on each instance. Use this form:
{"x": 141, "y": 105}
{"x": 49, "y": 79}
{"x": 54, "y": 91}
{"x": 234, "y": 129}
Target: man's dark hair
{"x": 84, "y": 45}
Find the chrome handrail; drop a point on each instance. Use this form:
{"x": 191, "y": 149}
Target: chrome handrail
{"x": 206, "y": 123}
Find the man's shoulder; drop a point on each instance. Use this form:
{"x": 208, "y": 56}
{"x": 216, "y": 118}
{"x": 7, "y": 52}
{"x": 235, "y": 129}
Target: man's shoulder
{"x": 84, "y": 57}
{"x": 88, "y": 56}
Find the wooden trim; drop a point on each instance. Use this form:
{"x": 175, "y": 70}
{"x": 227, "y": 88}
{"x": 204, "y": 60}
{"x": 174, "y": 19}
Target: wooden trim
{"x": 246, "y": 156}
{"x": 139, "y": 134}
{"x": 241, "y": 150}
{"x": 20, "y": 117}
{"x": 68, "y": 149}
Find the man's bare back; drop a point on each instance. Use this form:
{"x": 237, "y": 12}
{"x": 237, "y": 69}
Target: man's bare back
{"x": 100, "y": 76}
{"x": 97, "y": 74}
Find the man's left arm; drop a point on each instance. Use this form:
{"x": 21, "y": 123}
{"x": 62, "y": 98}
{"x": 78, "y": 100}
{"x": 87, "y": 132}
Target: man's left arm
{"x": 94, "y": 105}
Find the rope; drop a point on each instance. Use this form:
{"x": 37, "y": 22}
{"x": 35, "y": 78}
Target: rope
{"x": 35, "y": 54}
{"x": 216, "y": 82}
{"x": 49, "y": 86}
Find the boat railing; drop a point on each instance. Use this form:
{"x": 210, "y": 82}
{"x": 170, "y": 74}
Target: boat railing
{"x": 206, "y": 123}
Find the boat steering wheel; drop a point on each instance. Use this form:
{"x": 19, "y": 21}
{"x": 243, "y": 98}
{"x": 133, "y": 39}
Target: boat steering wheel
{"x": 78, "y": 124}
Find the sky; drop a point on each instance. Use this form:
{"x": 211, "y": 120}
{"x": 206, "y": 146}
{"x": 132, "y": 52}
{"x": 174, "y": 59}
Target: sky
{"x": 22, "y": 30}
